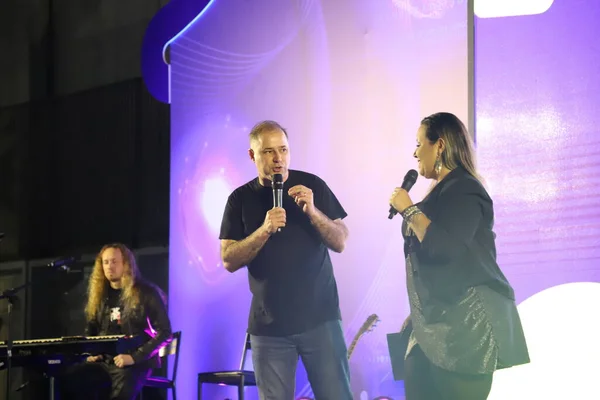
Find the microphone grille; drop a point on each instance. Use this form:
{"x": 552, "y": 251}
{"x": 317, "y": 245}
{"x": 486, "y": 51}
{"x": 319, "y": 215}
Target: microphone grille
{"x": 411, "y": 175}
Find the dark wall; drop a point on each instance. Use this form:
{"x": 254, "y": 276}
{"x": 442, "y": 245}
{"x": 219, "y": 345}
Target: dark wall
{"x": 83, "y": 170}
{"x": 69, "y": 45}
{"x": 14, "y": 122}
{"x": 84, "y": 149}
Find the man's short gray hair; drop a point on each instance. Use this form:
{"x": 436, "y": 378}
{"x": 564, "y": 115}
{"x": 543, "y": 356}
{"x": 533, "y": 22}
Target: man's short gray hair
{"x": 265, "y": 126}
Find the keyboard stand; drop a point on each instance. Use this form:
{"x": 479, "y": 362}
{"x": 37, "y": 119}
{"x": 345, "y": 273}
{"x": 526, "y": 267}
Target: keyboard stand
{"x": 52, "y": 387}
{"x": 11, "y": 296}
{"x": 51, "y": 391}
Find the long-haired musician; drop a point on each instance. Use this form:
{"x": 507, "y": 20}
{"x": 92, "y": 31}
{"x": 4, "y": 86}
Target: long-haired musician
{"x": 120, "y": 302}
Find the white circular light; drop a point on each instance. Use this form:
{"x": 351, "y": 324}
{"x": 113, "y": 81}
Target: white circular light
{"x": 562, "y": 327}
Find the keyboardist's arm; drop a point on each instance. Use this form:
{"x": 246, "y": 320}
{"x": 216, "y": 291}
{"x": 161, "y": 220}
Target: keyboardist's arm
{"x": 158, "y": 317}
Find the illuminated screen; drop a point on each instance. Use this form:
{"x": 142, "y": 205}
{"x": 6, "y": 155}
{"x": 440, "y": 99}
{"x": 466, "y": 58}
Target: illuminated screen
{"x": 350, "y": 80}
{"x": 538, "y": 137}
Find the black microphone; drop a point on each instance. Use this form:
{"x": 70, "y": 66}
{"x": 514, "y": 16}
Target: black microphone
{"x": 1, "y": 236}
{"x": 63, "y": 263}
{"x": 278, "y": 192}
{"x": 409, "y": 180}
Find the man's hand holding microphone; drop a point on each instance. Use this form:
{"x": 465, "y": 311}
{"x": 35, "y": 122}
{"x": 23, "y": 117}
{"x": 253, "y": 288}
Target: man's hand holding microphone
{"x": 276, "y": 217}
{"x": 274, "y": 220}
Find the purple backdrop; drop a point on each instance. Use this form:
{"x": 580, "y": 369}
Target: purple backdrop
{"x": 538, "y": 139}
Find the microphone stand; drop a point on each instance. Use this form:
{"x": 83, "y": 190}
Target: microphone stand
{"x": 11, "y": 296}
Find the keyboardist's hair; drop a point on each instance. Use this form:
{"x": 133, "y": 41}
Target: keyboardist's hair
{"x": 98, "y": 285}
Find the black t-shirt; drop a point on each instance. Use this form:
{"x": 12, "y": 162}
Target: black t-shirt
{"x": 291, "y": 278}
{"x": 114, "y": 305}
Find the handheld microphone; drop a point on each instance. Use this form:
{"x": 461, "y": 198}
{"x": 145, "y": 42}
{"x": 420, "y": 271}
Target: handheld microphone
{"x": 277, "y": 192}
{"x": 62, "y": 264}
{"x": 409, "y": 180}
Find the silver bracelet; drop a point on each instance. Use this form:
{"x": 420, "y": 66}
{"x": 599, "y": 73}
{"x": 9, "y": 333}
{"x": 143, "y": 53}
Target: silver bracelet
{"x": 409, "y": 213}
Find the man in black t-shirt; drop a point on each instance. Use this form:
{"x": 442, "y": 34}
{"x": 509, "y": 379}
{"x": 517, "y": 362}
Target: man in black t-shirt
{"x": 295, "y": 307}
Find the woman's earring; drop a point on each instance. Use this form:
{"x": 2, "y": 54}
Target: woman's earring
{"x": 438, "y": 165}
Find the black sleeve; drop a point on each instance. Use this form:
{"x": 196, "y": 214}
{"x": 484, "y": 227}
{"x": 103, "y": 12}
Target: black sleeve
{"x": 156, "y": 311}
{"x": 461, "y": 207}
{"x": 92, "y": 328}
{"x": 326, "y": 201}
{"x": 232, "y": 226}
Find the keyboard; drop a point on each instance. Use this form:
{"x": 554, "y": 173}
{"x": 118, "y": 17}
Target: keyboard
{"x": 49, "y": 352}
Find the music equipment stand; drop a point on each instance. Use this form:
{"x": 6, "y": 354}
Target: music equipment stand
{"x": 11, "y": 296}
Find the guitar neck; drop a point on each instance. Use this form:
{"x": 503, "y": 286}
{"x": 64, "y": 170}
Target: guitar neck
{"x": 367, "y": 326}
{"x": 352, "y": 346}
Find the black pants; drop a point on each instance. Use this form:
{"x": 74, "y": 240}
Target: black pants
{"x": 101, "y": 381}
{"x": 425, "y": 381}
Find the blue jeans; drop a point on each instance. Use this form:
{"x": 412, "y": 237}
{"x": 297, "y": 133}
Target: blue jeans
{"x": 323, "y": 353}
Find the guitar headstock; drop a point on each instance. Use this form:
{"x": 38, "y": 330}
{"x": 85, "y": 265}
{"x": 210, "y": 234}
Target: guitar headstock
{"x": 367, "y": 326}
{"x": 370, "y": 324}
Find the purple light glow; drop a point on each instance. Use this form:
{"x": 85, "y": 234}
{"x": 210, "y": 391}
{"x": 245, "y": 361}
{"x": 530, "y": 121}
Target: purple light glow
{"x": 538, "y": 141}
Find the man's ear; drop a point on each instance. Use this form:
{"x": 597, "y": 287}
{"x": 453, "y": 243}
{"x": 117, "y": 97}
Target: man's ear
{"x": 251, "y": 154}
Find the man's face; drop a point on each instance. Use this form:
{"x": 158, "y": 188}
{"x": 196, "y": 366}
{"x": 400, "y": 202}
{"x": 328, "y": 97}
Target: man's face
{"x": 271, "y": 153}
{"x": 112, "y": 264}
